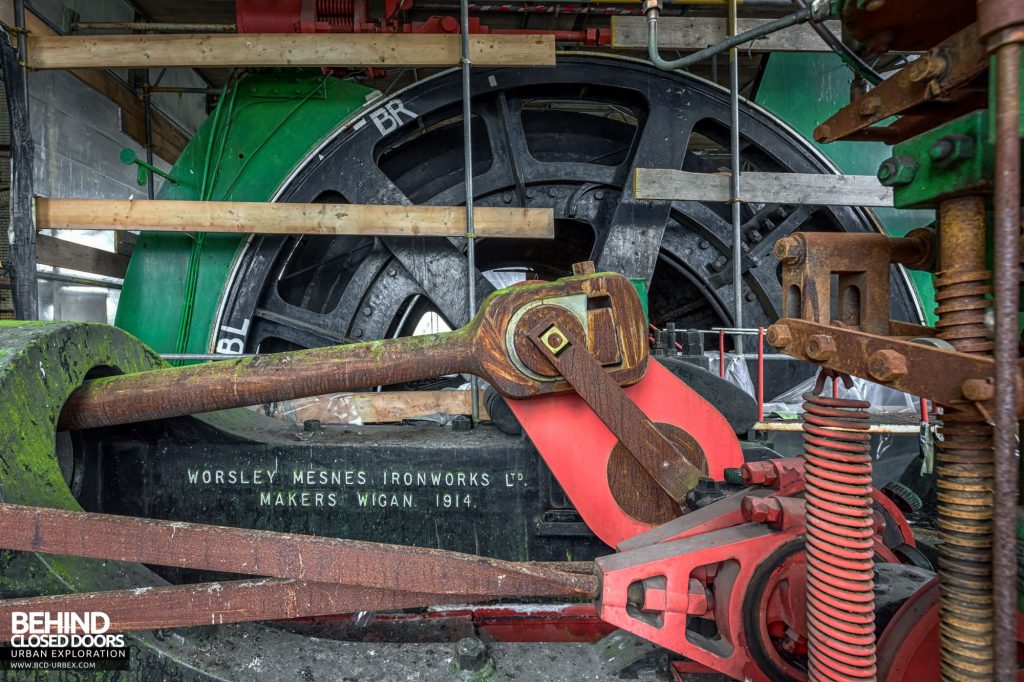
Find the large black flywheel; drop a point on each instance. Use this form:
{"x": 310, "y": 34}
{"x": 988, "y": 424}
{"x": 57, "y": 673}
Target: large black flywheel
{"x": 566, "y": 138}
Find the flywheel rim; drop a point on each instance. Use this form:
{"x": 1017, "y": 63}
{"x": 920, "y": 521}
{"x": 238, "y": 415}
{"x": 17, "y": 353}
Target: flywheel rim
{"x": 373, "y": 296}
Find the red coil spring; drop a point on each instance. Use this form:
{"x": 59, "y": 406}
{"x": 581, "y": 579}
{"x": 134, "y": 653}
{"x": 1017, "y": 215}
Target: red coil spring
{"x": 339, "y": 14}
{"x": 840, "y": 537}
{"x": 328, "y": 8}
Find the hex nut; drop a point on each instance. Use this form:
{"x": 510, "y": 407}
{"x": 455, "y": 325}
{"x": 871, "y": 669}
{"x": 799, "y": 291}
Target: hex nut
{"x": 887, "y": 365}
{"x": 789, "y": 250}
{"x": 779, "y": 335}
{"x": 470, "y": 654}
{"x": 897, "y": 170}
{"x": 821, "y": 347}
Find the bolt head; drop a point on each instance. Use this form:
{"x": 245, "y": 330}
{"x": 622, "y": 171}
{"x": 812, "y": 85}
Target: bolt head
{"x": 470, "y": 654}
{"x": 789, "y": 250}
{"x": 897, "y": 170}
{"x": 887, "y": 365}
{"x": 978, "y": 390}
{"x": 870, "y": 105}
{"x": 779, "y": 335}
{"x": 761, "y": 509}
{"x": 821, "y": 347}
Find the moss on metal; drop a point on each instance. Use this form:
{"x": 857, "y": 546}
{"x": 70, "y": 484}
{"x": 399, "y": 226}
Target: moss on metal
{"x": 40, "y": 365}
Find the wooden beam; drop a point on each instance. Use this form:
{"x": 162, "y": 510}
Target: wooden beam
{"x": 64, "y": 254}
{"x": 278, "y": 50}
{"x": 696, "y": 33}
{"x": 168, "y": 138}
{"x": 284, "y": 218}
{"x": 816, "y": 189}
{"x": 385, "y": 407}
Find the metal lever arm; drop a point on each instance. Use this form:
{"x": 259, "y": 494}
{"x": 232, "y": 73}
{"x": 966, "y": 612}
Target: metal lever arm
{"x": 567, "y": 351}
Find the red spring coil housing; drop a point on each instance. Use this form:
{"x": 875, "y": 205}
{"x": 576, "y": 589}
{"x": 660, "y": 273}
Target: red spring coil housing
{"x": 840, "y": 538}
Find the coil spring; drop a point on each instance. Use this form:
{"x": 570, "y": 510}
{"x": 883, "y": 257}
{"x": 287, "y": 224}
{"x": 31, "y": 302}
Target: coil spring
{"x": 334, "y": 8}
{"x": 964, "y": 481}
{"x": 840, "y": 537}
{"x": 962, "y": 302}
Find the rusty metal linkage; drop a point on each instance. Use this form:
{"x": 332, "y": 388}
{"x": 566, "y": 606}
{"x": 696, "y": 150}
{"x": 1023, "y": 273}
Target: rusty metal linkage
{"x": 945, "y": 376}
{"x": 486, "y": 347}
{"x": 937, "y": 78}
{"x": 231, "y": 601}
{"x": 437, "y": 575}
{"x": 860, "y": 262}
{"x": 560, "y": 340}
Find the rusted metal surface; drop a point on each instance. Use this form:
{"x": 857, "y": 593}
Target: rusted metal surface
{"x": 233, "y": 601}
{"x": 479, "y": 348}
{"x": 280, "y": 555}
{"x": 931, "y": 372}
{"x": 1006, "y": 307}
{"x": 911, "y": 25}
{"x": 964, "y": 456}
{"x": 840, "y": 536}
{"x": 559, "y": 338}
{"x": 997, "y": 16}
{"x": 937, "y": 79}
{"x": 861, "y": 263}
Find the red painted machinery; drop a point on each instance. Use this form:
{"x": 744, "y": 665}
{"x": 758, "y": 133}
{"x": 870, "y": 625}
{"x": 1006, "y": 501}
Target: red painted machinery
{"x": 351, "y": 16}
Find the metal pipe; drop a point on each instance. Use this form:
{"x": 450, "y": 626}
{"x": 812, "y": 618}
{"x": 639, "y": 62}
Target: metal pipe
{"x": 721, "y": 354}
{"x": 147, "y": 105}
{"x": 760, "y": 374}
{"x": 734, "y": 180}
{"x": 730, "y": 43}
{"x": 80, "y": 280}
{"x": 467, "y": 144}
{"x": 153, "y": 26}
{"x": 187, "y": 91}
{"x": 851, "y": 58}
{"x": 1007, "y": 305}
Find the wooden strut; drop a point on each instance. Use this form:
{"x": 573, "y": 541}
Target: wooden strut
{"x": 356, "y": 575}
{"x": 283, "y": 50}
{"x": 287, "y": 218}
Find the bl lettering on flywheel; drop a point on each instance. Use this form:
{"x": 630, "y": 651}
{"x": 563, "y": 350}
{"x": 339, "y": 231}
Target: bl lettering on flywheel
{"x": 388, "y": 117}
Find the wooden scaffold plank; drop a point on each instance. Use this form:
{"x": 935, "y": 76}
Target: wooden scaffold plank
{"x": 816, "y": 189}
{"x": 282, "y": 50}
{"x": 285, "y": 218}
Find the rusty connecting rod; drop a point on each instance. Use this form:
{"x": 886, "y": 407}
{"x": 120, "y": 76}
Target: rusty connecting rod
{"x": 194, "y": 389}
{"x": 486, "y": 347}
